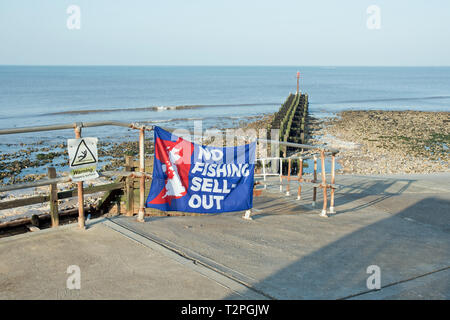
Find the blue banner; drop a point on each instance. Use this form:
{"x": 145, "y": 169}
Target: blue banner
{"x": 190, "y": 177}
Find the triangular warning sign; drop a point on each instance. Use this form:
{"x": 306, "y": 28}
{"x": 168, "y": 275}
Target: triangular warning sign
{"x": 83, "y": 155}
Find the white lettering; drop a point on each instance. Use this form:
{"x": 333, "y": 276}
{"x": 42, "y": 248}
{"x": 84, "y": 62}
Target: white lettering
{"x": 195, "y": 201}
{"x": 207, "y": 185}
{"x": 197, "y": 167}
{"x": 196, "y": 183}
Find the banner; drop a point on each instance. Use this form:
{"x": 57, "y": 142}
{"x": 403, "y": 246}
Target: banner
{"x": 193, "y": 178}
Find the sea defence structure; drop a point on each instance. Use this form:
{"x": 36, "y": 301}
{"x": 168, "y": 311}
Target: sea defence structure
{"x": 291, "y": 121}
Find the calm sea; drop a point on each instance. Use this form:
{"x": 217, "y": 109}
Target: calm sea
{"x": 220, "y": 96}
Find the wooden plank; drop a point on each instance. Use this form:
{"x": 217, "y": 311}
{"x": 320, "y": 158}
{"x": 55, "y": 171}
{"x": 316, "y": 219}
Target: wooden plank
{"x": 106, "y": 200}
{"x": 25, "y": 221}
{"x": 23, "y": 202}
{"x": 61, "y": 195}
{"x": 90, "y": 190}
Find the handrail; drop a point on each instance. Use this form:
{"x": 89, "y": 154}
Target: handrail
{"x": 75, "y": 125}
{"x": 138, "y": 127}
{"x": 289, "y": 144}
{"x": 296, "y": 156}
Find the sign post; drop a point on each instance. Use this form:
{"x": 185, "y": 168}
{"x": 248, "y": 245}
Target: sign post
{"x": 83, "y": 158}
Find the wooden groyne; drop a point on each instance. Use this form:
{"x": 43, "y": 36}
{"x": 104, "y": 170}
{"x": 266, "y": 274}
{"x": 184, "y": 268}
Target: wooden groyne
{"x": 130, "y": 187}
{"x": 291, "y": 121}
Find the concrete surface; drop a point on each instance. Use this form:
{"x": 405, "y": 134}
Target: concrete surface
{"x": 400, "y": 223}
{"x": 112, "y": 266}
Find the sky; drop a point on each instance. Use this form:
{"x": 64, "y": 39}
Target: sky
{"x": 225, "y": 32}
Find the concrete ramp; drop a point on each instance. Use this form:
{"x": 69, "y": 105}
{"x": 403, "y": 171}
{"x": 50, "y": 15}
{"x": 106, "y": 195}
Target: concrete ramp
{"x": 399, "y": 223}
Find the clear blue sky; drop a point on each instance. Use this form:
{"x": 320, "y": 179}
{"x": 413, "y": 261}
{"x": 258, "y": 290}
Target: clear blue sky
{"x": 225, "y": 32}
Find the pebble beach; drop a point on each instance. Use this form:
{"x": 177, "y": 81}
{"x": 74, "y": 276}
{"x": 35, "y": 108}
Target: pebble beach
{"x": 386, "y": 142}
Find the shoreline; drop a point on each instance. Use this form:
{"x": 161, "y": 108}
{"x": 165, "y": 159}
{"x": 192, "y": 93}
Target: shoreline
{"x": 375, "y": 142}
{"x": 380, "y": 142}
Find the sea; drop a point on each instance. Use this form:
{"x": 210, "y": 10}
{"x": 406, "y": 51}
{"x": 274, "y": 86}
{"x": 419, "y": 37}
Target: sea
{"x": 219, "y": 96}
{"x": 176, "y": 96}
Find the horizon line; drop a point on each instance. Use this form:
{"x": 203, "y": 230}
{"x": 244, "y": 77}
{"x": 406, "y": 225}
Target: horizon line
{"x": 221, "y": 65}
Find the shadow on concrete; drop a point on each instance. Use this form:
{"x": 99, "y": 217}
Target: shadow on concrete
{"x": 406, "y": 245}
{"x": 360, "y": 190}
{"x": 395, "y": 224}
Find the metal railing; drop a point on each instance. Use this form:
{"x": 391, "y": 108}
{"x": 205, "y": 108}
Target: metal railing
{"x": 141, "y": 174}
{"x": 73, "y": 126}
{"x": 314, "y": 182}
{"x": 77, "y": 127}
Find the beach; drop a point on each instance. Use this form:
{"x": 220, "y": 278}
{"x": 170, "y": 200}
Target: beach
{"x": 387, "y": 142}
{"x": 370, "y": 142}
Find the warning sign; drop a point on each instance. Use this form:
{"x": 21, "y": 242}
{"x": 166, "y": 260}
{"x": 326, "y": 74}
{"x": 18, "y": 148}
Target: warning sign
{"x": 83, "y": 157}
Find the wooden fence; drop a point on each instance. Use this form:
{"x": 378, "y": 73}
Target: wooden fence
{"x": 124, "y": 185}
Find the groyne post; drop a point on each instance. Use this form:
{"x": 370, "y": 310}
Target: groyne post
{"x": 80, "y": 189}
{"x": 298, "y": 82}
{"x": 53, "y": 195}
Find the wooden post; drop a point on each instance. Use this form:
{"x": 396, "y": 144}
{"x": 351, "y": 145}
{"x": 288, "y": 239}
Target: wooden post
{"x": 53, "y": 198}
{"x": 315, "y": 180}
{"x": 129, "y": 188}
{"x": 298, "y": 82}
{"x": 288, "y": 177}
{"x": 324, "y": 184}
{"x": 80, "y": 190}
{"x": 333, "y": 160}
{"x": 300, "y": 178}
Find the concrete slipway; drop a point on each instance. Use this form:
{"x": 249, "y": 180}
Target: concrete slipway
{"x": 399, "y": 223}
